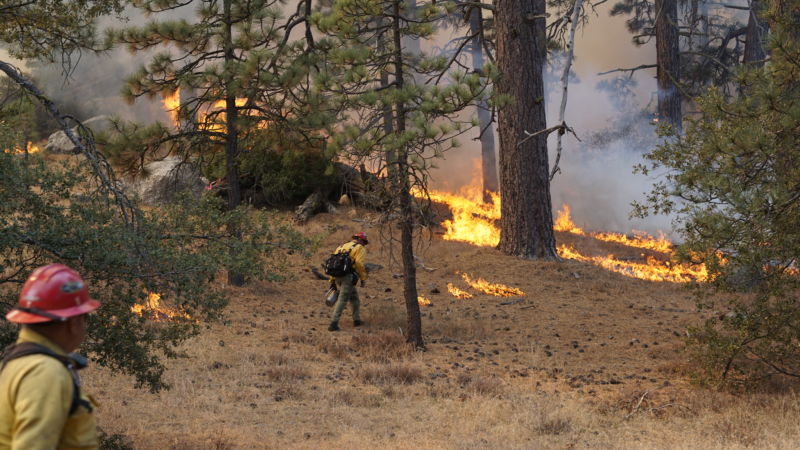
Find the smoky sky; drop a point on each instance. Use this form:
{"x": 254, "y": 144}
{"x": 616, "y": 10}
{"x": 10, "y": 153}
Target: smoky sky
{"x": 596, "y": 180}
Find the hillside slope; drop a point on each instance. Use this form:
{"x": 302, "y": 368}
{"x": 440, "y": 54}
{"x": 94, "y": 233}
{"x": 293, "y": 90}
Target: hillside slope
{"x": 586, "y": 358}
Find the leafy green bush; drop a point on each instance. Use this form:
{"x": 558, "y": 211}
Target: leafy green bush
{"x": 54, "y": 213}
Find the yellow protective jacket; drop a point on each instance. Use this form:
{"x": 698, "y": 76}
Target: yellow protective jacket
{"x": 35, "y": 398}
{"x": 357, "y": 254}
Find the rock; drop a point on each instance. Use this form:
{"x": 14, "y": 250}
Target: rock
{"x": 58, "y": 142}
{"x": 161, "y": 181}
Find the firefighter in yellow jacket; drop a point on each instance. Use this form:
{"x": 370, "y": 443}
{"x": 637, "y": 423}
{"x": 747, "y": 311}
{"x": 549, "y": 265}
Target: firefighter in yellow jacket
{"x": 346, "y": 285}
{"x": 41, "y": 403}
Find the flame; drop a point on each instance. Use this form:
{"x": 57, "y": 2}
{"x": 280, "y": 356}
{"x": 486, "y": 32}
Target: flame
{"x": 640, "y": 239}
{"x": 172, "y": 103}
{"x": 498, "y": 290}
{"x": 156, "y": 311}
{"x": 473, "y": 220}
{"x": 564, "y": 222}
{"x": 652, "y": 269}
{"x": 210, "y": 119}
{"x": 456, "y": 292}
{"x": 423, "y": 301}
{"x": 29, "y": 148}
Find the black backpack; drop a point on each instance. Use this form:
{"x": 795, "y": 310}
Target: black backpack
{"x": 72, "y": 362}
{"x": 340, "y": 264}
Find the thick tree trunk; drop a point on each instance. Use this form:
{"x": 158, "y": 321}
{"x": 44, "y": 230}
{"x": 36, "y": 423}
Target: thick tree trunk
{"x": 406, "y": 211}
{"x": 526, "y": 227}
{"x": 231, "y": 136}
{"x": 667, "y": 58}
{"x": 754, "y": 52}
{"x": 486, "y": 130}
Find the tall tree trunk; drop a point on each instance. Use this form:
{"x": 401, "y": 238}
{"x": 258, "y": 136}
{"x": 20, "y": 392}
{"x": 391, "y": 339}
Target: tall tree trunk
{"x": 486, "y": 130}
{"x": 526, "y": 227}
{"x": 231, "y": 133}
{"x": 754, "y": 52}
{"x": 668, "y": 61}
{"x": 406, "y": 211}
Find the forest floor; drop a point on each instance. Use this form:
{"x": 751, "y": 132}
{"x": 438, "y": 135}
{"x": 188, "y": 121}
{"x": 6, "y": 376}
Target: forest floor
{"x": 585, "y": 359}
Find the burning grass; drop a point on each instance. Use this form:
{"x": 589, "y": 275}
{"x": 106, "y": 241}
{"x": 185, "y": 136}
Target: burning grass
{"x": 154, "y": 310}
{"x": 495, "y": 289}
{"x": 457, "y": 293}
{"x": 30, "y": 148}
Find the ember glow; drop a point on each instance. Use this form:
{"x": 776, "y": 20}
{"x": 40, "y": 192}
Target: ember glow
{"x": 456, "y": 292}
{"x": 154, "y": 310}
{"x": 498, "y": 290}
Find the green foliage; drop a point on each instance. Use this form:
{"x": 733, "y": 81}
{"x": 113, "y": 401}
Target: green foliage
{"x": 49, "y": 213}
{"x": 268, "y": 74}
{"x": 733, "y": 180}
{"x": 50, "y": 28}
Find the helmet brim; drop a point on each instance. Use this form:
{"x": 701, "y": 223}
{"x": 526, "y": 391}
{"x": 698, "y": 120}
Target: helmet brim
{"x": 17, "y": 316}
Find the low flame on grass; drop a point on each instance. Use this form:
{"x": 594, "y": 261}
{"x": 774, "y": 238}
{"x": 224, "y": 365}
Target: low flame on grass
{"x": 30, "y": 148}
{"x": 564, "y": 222}
{"x": 640, "y": 239}
{"x": 475, "y": 222}
{"x": 423, "y": 301}
{"x": 652, "y": 269}
{"x": 157, "y": 312}
{"x": 457, "y": 293}
{"x": 498, "y": 290}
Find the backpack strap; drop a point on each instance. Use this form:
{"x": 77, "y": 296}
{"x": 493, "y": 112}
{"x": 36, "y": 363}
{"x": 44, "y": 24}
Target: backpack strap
{"x": 72, "y": 362}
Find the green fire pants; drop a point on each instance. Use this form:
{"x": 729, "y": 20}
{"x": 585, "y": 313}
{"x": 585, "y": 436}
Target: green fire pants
{"x": 347, "y": 293}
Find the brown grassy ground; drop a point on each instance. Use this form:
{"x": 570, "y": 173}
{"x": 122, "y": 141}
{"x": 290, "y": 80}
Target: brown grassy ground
{"x": 588, "y": 359}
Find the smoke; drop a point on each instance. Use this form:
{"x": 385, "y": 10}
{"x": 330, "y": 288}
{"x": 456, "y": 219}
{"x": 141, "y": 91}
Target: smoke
{"x": 611, "y": 116}
{"x": 92, "y": 86}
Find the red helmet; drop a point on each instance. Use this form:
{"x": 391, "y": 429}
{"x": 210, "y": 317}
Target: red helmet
{"x": 52, "y": 293}
{"x": 361, "y": 236}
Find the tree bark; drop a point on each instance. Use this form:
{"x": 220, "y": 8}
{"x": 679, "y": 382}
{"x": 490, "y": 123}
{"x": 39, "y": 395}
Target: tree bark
{"x": 754, "y": 52}
{"x": 485, "y": 128}
{"x": 231, "y": 133}
{"x": 526, "y": 227}
{"x": 668, "y": 60}
{"x": 406, "y": 212}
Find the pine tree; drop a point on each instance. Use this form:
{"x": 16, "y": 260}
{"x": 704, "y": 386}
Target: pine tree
{"x": 373, "y": 77}
{"x": 733, "y": 181}
{"x": 526, "y": 227}
{"x": 243, "y": 84}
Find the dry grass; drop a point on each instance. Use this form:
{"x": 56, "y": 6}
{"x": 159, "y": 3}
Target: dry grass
{"x": 567, "y": 368}
{"x": 382, "y": 346}
{"x": 394, "y": 373}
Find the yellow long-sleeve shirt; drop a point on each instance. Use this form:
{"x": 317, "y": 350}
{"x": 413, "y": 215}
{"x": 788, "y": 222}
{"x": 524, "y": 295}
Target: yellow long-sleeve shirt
{"x": 357, "y": 254}
{"x": 35, "y": 398}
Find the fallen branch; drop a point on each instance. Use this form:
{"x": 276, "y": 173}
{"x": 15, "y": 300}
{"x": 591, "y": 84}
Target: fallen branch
{"x": 421, "y": 264}
{"x": 512, "y": 302}
{"x": 576, "y": 13}
{"x": 85, "y": 144}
